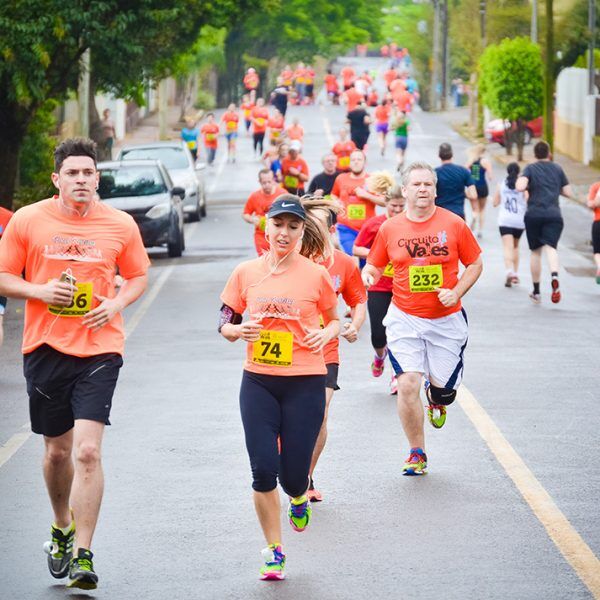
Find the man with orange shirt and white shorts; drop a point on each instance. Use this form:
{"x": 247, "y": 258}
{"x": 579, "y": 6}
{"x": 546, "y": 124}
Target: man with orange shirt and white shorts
{"x": 69, "y": 248}
{"x": 426, "y": 327}
{"x": 257, "y": 206}
{"x": 359, "y": 203}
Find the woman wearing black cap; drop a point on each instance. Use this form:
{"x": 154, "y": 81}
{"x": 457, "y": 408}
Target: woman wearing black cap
{"x": 282, "y": 395}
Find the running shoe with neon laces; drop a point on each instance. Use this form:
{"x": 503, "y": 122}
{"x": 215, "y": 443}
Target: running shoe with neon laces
{"x": 274, "y": 567}
{"x": 556, "y": 295}
{"x": 81, "y": 571}
{"x": 60, "y": 551}
{"x": 378, "y": 365}
{"x": 299, "y": 513}
{"x": 436, "y": 413}
{"x": 416, "y": 464}
{"x": 394, "y": 385}
{"x": 313, "y": 494}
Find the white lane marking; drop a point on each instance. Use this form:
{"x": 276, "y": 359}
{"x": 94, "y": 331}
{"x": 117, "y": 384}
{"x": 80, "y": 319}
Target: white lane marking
{"x": 14, "y": 443}
{"x": 565, "y": 537}
{"x": 220, "y": 168}
{"x": 326, "y": 125}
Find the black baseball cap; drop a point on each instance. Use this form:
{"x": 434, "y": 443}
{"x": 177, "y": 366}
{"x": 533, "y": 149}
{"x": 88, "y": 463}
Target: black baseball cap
{"x": 287, "y": 204}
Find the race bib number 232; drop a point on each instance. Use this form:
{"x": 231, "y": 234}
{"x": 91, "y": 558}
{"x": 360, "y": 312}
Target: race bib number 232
{"x": 427, "y": 278}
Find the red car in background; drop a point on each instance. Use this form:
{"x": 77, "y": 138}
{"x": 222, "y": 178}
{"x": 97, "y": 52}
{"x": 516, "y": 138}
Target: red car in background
{"x": 494, "y": 132}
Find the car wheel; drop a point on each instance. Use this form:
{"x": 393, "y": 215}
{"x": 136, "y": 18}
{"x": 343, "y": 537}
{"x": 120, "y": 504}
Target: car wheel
{"x": 528, "y": 134}
{"x": 196, "y": 215}
{"x": 203, "y": 208}
{"x": 175, "y": 247}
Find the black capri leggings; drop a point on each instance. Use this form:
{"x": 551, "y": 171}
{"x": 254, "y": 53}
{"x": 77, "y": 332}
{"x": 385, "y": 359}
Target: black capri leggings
{"x": 291, "y": 407}
{"x": 596, "y": 237}
{"x": 258, "y": 139}
{"x": 378, "y": 304}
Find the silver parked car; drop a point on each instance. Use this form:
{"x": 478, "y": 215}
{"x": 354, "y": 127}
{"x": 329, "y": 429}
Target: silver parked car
{"x": 177, "y": 158}
{"x": 143, "y": 189}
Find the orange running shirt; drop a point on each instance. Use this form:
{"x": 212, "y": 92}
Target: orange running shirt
{"x": 258, "y": 204}
{"x": 425, "y": 257}
{"x": 260, "y": 117}
{"x": 343, "y": 150}
{"x": 389, "y": 76}
{"x": 210, "y": 131}
{"x": 295, "y": 132}
{"x": 5, "y": 216}
{"x": 276, "y": 126}
{"x": 356, "y": 210}
{"x": 291, "y": 182}
{"x": 310, "y": 76}
{"x": 231, "y": 120}
{"x": 346, "y": 280}
{"x": 300, "y": 75}
{"x": 44, "y": 242}
{"x": 251, "y": 81}
{"x": 247, "y": 108}
{"x": 348, "y": 76}
{"x": 331, "y": 83}
{"x": 382, "y": 113}
{"x": 591, "y": 195}
{"x": 287, "y": 75}
{"x": 289, "y": 305}
{"x": 353, "y": 99}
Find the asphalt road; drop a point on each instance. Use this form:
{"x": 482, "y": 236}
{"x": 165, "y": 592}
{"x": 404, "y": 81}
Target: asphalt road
{"x": 177, "y": 519}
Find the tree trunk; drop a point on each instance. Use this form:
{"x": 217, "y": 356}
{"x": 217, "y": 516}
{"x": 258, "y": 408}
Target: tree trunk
{"x": 520, "y": 139}
{"x": 508, "y": 139}
{"x": 13, "y": 124}
{"x": 96, "y": 132}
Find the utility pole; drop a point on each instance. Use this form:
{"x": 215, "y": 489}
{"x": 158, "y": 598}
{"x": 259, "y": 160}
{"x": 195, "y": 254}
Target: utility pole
{"x": 482, "y": 22}
{"x": 549, "y": 76}
{"x": 162, "y": 109}
{"x": 83, "y": 94}
{"x": 591, "y": 45}
{"x": 534, "y": 21}
{"x": 435, "y": 57}
{"x": 445, "y": 54}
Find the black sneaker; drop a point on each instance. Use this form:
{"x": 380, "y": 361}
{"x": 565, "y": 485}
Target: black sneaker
{"x": 81, "y": 571}
{"x": 60, "y": 551}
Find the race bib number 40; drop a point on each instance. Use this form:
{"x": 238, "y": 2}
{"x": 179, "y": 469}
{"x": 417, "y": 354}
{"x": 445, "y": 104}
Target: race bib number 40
{"x": 82, "y": 302}
{"x": 273, "y": 348}
{"x": 357, "y": 212}
{"x": 425, "y": 279}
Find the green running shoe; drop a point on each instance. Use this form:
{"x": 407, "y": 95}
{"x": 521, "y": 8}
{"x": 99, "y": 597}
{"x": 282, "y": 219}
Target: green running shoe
{"x": 274, "y": 567}
{"x": 436, "y": 413}
{"x": 60, "y": 551}
{"x": 416, "y": 463}
{"x": 81, "y": 571}
{"x": 299, "y": 513}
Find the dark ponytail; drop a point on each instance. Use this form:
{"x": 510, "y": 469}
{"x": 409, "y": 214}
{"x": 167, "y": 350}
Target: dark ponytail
{"x": 513, "y": 171}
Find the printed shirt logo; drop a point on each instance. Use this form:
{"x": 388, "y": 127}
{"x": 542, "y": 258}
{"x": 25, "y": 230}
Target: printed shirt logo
{"x": 274, "y": 308}
{"x": 426, "y": 246}
{"x": 69, "y": 248}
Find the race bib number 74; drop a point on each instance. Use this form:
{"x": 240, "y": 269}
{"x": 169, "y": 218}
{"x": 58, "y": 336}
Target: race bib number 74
{"x": 427, "y": 278}
{"x": 273, "y": 348}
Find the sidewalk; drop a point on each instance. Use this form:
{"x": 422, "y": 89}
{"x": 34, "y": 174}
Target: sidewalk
{"x": 580, "y": 175}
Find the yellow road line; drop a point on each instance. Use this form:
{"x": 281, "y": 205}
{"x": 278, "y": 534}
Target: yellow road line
{"x": 571, "y": 545}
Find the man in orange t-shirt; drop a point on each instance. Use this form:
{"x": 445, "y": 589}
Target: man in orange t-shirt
{"x": 69, "y": 248}
{"x": 359, "y": 203}
{"x": 231, "y": 121}
{"x": 295, "y": 131}
{"x": 310, "y": 83}
{"x": 348, "y": 76}
{"x": 332, "y": 87}
{"x": 390, "y": 75}
{"x": 593, "y": 202}
{"x": 257, "y": 206}
{"x": 294, "y": 170}
{"x": 251, "y": 82}
{"x": 276, "y": 125}
{"x": 343, "y": 149}
{"x": 210, "y": 132}
{"x": 246, "y": 107}
{"x": 352, "y": 98}
{"x": 426, "y": 327}
{"x": 287, "y": 76}
{"x": 260, "y": 119}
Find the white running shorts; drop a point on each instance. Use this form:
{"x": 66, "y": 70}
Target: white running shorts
{"x": 434, "y": 347}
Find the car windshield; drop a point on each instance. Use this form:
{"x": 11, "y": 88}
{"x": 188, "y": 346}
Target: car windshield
{"x": 171, "y": 157}
{"x": 130, "y": 181}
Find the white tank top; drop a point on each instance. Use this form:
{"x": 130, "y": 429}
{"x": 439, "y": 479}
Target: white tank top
{"x": 512, "y": 208}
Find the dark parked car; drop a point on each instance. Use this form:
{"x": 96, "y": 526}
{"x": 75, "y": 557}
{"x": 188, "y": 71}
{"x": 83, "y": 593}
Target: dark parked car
{"x": 177, "y": 159}
{"x": 143, "y": 188}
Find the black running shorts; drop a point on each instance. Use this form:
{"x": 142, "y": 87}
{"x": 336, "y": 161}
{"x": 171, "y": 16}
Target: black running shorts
{"x": 331, "y": 380}
{"x": 596, "y": 236}
{"x": 514, "y": 231}
{"x": 63, "y": 388}
{"x": 543, "y": 231}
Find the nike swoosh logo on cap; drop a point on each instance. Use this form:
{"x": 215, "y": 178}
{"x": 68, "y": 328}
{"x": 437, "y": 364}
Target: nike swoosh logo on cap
{"x": 284, "y": 205}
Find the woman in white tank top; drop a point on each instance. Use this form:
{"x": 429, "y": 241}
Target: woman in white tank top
{"x": 511, "y": 221}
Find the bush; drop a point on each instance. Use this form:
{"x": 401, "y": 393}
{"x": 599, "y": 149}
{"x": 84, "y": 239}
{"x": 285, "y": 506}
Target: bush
{"x": 205, "y": 100}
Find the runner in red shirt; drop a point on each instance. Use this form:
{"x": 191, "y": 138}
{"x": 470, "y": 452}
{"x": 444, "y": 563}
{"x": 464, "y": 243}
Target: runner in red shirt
{"x": 359, "y": 203}
{"x": 382, "y": 121}
{"x": 426, "y": 328}
{"x": 390, "y": 75}
{"x": 295, "y": 131}
{"x": 287, "y": 76}
{"x": 260, "y": 119}
{"x": 251, "y": 82}
{"x": 294, "y": 170}
{"x": 348, "y": 76}
{"x": 332, "y": 87}
{"x": 210, "y": 132}
{"x": 380, "y": 294}
{"x": 372, "y": 98}
{"x": 247, "y": 106}
{"x": 258, "y": 205}
{"x": 343, "y": 149}
{"x": 231, "y": 120}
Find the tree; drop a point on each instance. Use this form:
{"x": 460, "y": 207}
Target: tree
{"x": 131, "y": 41}
{"x": 511, "y": 83}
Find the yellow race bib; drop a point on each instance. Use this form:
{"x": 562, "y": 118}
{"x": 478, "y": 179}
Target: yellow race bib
{"x": 389, "y": 270}
{"x": 231, "y": 125}
{"x": 260, "y": 122}
{"x": 357, "y": 212}
{"x": 344, "y": 162}
{"x": 275, "y": 133}
{"x": 82, "y": 302}
{"x": 211, "y": 137}
{"x": 427, "y": 278}
{"x": 290, "y": 182}
{"x": 273, "y": 348}
{"x": 191, "y": 145}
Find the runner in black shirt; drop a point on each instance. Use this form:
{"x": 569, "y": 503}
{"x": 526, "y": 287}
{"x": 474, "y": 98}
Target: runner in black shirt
{"x": 359, "y": 121}
{"x": 322, "y": 183}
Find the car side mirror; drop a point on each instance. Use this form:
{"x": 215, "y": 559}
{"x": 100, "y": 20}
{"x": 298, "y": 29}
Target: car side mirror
{"x": 200, "y": 166}
{"x": 178, "y": 191}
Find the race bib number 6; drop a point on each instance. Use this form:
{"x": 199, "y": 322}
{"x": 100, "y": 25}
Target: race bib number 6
{"x": 81, "y": 304}
{"x": 273, "y": 348}
{"x": 425, "y": 279}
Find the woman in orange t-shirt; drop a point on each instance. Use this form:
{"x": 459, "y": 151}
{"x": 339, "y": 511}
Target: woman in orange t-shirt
{"x": 282, "y": 395}
{"x": 594, "y": 203}
{"x": 382, "y": 121}
{"x": 231, "y": 120}
{"x": 260, "y": 118}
